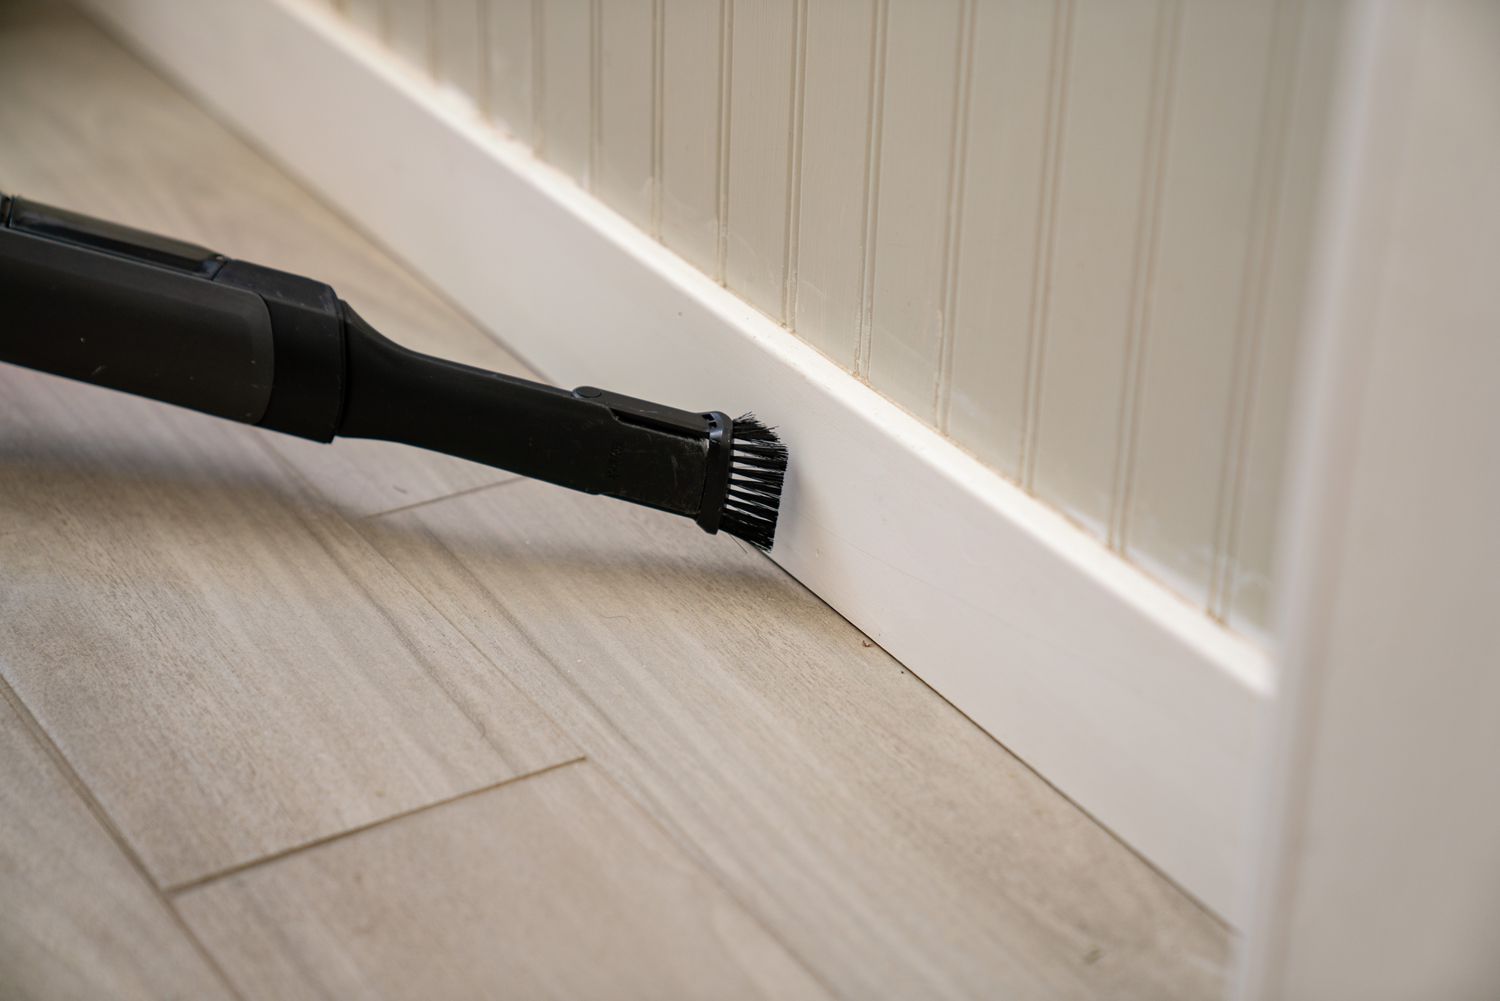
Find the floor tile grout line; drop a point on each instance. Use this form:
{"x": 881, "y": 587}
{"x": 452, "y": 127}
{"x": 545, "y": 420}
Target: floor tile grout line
{"x": 695, "y": 855}
{"x": 508, "y": 480}
{"x": 355, "y": 527}
{"x": 373, "y": 542}
{"x": 167, "y": 893}
{"x": 520, "y": 628}
{"x": 112, "y": 830}
{"x": 198, "y": 882}
{"x": 642, "y": 800}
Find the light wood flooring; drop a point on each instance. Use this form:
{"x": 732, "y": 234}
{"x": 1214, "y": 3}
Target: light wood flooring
{"x": 285, "y": 720}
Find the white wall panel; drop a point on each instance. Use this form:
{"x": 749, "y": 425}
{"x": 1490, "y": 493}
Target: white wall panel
{"x": 1070, "y": 234}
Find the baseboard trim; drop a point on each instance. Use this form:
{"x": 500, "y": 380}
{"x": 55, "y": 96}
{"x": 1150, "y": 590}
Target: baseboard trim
{"x": 1122, "y": 695}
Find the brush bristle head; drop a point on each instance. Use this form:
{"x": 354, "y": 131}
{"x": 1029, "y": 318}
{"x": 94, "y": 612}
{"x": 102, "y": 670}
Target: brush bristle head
{"x": 756, "y": 471}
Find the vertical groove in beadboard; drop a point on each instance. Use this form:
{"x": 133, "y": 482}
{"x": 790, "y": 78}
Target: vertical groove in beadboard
{"x": 429, "y": 39}
{"x": 1276, "y": 119}
{"x": 794, "y": 164}
{"x": 658, "y": 89}
{"x": 459, "y": 32}
{"x": 368, "y": 16}
{"x": 1046, "y": 218}
{"x": 692, "y": 113}
{"x": 483, "y": 99}
{"x": 410, "y": 34}
{"x": 872, "y": 188}
{"x": 763, "y": 54}
{"x": 1138, "y": 334}
{"x": 596, "y": 105}
{"x": 835, "y": 120}
{"x": 538, "y": 97}
{"x": 506, "y": 48}
{"x": 953, "y": 237}
{"x": 726, "y": 76}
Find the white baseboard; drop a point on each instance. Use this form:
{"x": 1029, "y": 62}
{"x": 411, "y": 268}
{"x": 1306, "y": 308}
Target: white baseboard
{"x": 1122, "y": 695}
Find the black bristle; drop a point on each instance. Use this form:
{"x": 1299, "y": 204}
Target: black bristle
{"x": 757, "y": 468}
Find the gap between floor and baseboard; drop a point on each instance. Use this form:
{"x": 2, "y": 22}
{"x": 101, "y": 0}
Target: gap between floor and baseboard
{"x": 1120, "y": 694}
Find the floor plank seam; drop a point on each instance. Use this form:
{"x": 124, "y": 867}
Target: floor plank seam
{"x": 197, "y": 882}
{"x": 656, "y": 817}
{"x": 654, "y": 812}
{"x": 374, "y": 544}
{"x": 101, "y": 816}
{"x": 353, "y": 525}
{"x": 504, "y": 482}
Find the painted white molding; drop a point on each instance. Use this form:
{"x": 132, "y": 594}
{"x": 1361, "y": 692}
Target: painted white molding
{"x": 1121, "y": 694}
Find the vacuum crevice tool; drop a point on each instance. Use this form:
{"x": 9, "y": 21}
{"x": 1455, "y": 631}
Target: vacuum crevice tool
{"x": 161, "y": 318}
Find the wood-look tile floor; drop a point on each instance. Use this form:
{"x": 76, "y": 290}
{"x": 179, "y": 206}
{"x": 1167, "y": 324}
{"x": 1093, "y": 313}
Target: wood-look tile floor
{"x": 285, "y": 720}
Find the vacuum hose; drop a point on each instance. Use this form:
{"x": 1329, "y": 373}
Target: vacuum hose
{"x": 161, "y": 318}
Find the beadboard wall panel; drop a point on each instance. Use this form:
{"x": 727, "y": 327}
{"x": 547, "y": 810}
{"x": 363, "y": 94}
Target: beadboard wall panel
{"x": 458, "y": 46}
{"x": 1013, "y": 91}
{"x": 1243, "y": 594}
{"x": 1068, "y": 234}
{"x": 837, "y": 130}
{"x": 508, "y": 66}
{"x": 1200, "y": 272}
{"x": 627, "y": 103}
{"x": 369, "y": 15}
{"x": 693, "y": 128}
{"x": 764, "y": 45}
{"x": 1119, "y": 61}
{"x": 922, "y": 57}
{"x": 408, "y": 29}
{"x": 565, "y": 88}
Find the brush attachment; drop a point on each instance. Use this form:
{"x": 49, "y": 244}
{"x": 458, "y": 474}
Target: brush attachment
{"x": 757, "y": 468}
